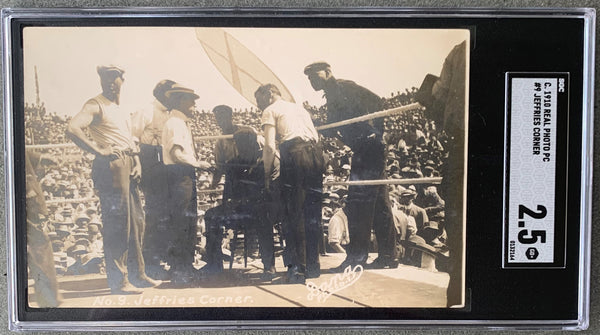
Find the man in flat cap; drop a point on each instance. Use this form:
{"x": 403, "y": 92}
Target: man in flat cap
{"x": 181, "y": 161}
{"x": 368, "y": 206}
{"x": 302, "y": 167}
{"x": 407, "y": 205}
{"x": 116, "y": 172}
{"x": 148, "y": 127}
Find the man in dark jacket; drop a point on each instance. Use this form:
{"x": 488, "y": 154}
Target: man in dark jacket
{"x": 367, "y": 206}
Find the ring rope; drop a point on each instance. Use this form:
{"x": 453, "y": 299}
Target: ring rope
{"x": 408, "y": 181}
{"x": 384, "y": 113}
{"x": 70, "y": 201}
{"x": 50, "y": 146}
{"x": 362, "y": 118}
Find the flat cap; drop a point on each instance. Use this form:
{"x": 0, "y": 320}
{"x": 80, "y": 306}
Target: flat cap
{"x": 104, "y": 69}
{"x": 82, "y": 217}
{"x": 95, "y": 221}
{"x": 78, "y": 249}
{"x": 407, "y": 193}
{"x": 431, "y": 225}
{"x": 316, "y": 66}
{"x": 178, "y": 89}
{"x": 161, "y": 88}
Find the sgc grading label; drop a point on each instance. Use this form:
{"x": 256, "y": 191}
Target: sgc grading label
{"x": 535, "y": 170}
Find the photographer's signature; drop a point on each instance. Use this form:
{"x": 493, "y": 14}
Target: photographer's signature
{"x": 335, "y": 284}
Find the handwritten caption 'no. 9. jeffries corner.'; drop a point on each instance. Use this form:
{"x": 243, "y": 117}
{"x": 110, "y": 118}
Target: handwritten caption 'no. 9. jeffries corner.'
{"x": 339, "y": 282}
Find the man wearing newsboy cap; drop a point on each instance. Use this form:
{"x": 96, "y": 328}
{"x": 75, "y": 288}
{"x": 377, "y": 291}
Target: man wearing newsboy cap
{"x": 116, "y": 172}
{"x": 181, "y": 160}
{"x": 367, "y": 206}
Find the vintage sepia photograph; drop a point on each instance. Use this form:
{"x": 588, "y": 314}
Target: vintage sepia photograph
{"x": 173, "y": 167}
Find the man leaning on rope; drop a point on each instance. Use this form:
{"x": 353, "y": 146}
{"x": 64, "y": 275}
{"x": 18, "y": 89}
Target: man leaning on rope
{"x": 367, "y": 206}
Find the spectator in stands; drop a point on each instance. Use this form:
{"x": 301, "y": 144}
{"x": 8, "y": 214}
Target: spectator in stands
{"x": 405, "y": 200}
{"x": 338, "y": 236}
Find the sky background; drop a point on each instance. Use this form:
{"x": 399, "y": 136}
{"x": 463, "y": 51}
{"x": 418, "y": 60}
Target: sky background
{"x": 383, "y": 60}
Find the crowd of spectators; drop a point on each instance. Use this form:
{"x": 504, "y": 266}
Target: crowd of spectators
{"x": 42, "y": 127}
{"x": 415, "y": 150}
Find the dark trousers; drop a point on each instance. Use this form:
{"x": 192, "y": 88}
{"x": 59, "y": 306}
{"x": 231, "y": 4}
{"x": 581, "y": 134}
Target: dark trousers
{"x": 183, "y": 217}
{"x": 369, "y": 206}
{"x": 302, "y": 192}
{"x": 122, "y": 217}
{"x": 257, "y": 216}
{"x": 41, "y": 266}
{"x": 154, "y": 183}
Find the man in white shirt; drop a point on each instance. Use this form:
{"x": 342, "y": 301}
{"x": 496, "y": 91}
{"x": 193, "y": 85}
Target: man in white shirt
{"x": 337, "y": 231}
{"x": 181, "y": 161}
{"x": 302, "y": 167}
